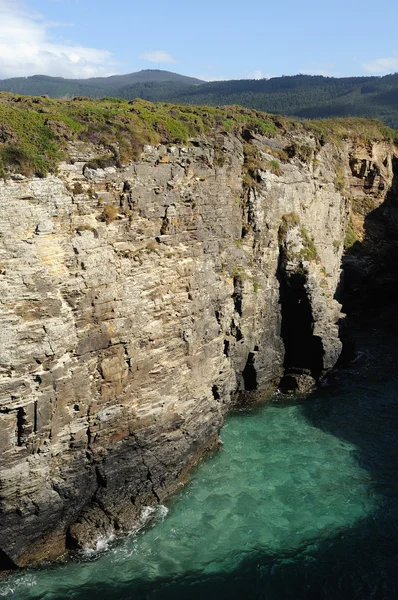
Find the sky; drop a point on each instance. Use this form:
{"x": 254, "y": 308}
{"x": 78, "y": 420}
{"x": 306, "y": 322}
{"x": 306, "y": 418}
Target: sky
{"x": 210, "y": 39}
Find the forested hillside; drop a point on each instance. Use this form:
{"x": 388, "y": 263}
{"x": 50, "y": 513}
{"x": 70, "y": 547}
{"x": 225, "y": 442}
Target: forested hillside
{"x": 96, "y": 87}
{"x": 305, "y": 96}
{"x": 300, "y": 95}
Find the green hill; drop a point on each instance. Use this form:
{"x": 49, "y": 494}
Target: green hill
{"x": 95, "y": 87}
{"x": 303, "y": 96}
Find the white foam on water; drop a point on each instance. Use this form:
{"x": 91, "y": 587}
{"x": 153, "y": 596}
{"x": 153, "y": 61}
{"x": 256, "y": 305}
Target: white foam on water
{"x": 12, "y": 590}
{"x": 163, "y": 510}
{"x": 151, "y": 513}
{"x": 100, "y": 545}
{"x": 147, "y": 514}
{"x": 280, "y": 484}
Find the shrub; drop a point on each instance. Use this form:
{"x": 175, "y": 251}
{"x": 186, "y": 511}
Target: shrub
{"x": 101, "y": 162}
{"x": 17, "y": 159}
{"x": 289, "y": 221}
{"x": 274, "y": 167}
{"x": 351, "y": 236}
{"x": 302, "y": 151}
{"x": 339, "y": 180}
{"x": 110, "y": 213}
{"x": 251, "y": 164}
{"x": 309, "y": 251}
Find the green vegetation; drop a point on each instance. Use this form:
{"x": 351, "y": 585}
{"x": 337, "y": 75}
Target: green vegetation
{"x": 363, "y": 205}
{"x": 351, "y": 236}
{"x": 274, "y": 167}
{"x": 237, "y": 272}
{"x": 303, "y": 152}
{"x": 302, "y": 96}
{"x": 351, "y": 128}
{"x": 289, "y": 221}
{"x": 278, "y": 153}
{"x": 309, "y": 251}
{"x": 35, "y": 131}
{"x": 251, "y": 164}
{"x": 339, "y": 179}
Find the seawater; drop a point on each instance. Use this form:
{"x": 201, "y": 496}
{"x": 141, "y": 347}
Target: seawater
{"x": 300, "y": 502}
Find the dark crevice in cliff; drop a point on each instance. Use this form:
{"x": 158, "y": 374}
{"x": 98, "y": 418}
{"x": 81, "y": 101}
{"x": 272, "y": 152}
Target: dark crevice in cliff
{"x": 21, "y": 422}
{"x": 237, "y": 296}
{"x": 71, "y": 543}
{"x": 35, "y": 417}
{"x": 250, "y": 374}
{"x": 101, "y": 479}
{"x": 216, "y": 393}
{"x": 235, "y": 332}
{"x": 6, "y": 564}
{"x": 303, "y": 350}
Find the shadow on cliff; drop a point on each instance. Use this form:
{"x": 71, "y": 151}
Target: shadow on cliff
{"x": 360, "y": 407}
{"x": 357, "y": 563}
{"x": 370, "y": 266}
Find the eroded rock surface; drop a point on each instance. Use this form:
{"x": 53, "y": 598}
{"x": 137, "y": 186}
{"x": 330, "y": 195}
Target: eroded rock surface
{"x": 137, "y": 303}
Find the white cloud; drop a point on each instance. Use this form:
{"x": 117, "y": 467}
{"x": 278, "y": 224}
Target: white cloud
{"x": 158, "y": 56}
{"x": 26, "y": 48}
{"x": 382, "y": 65}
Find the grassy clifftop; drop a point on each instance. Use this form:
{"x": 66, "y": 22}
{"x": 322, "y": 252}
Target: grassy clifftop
{"x": 35, "y": 131}
{"x": 299, "y": 96}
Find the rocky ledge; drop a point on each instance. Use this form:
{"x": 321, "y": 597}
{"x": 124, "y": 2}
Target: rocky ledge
{"x": 139, "y": 302}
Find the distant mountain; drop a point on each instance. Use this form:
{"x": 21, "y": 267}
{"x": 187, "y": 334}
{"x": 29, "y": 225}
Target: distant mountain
{"x": 95, "y": 87}
{"x": 305, "y": 96}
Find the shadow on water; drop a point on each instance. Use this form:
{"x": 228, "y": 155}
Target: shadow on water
{"x": 357, "y": 563}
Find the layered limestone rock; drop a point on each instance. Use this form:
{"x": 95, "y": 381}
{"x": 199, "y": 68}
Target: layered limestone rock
{"x": 371, "y": 259}
{"x": 137, "y": 304}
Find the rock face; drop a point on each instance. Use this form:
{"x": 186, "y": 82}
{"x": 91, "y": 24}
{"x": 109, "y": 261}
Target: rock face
{"x": 371, "y": 261}
{"x": 137, "y": 304}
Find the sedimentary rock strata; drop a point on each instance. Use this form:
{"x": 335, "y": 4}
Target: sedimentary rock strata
{"x": 138, "y": 302}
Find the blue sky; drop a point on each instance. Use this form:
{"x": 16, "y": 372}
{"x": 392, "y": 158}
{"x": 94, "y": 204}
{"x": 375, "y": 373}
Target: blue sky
{"x": 216, "y": 39}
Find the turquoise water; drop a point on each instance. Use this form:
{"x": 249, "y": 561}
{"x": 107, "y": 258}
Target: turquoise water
{"x": 299, "y": 503}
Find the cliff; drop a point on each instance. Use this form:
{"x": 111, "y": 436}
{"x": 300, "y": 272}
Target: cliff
{"x": 139, "y": 302}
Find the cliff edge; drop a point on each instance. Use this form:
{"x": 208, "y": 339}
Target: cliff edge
{"x": 143, "y": 295}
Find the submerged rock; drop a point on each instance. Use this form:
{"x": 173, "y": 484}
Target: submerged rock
{"x": 297, "y": 382}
